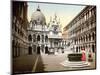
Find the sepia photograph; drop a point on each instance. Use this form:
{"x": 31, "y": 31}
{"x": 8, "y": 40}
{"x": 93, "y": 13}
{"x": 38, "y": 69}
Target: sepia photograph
{"x": 52, "y": 37}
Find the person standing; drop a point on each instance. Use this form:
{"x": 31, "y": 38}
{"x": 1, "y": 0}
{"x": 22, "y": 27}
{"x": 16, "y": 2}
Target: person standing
{"x": 83, "y": 58}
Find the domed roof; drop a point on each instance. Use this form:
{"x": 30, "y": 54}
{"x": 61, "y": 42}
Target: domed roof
{"x": 38, "y": 16}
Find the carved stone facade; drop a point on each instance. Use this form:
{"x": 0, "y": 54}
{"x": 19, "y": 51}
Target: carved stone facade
{"x": 19, "y": 29}
{"x": 44, "y": 38}
{"x": 82, "y": 31}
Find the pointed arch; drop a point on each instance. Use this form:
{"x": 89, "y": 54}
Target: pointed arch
{"x": 30, "y": 37}
{"x": 38, "y": 38}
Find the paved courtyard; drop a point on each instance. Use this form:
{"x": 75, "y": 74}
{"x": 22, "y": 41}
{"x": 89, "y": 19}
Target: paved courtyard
{"x": 53, "y": 63}
{"x": 43, "y": 63}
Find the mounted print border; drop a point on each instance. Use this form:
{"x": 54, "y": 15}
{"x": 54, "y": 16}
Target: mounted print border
{"x": 52, "y": 37}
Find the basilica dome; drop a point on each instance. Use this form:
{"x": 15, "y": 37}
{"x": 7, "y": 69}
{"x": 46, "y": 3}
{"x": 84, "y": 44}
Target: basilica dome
{"x": 38, "y": 16}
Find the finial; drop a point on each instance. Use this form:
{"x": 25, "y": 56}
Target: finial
{"x": 38, "y": 9}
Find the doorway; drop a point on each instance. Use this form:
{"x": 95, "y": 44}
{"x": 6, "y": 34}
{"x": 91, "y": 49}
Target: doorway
{"x": 93, "y": 48}
{"x": 30, "y": 50}
{"x": 38, "y": 50}
{"x": 46, "y": 49}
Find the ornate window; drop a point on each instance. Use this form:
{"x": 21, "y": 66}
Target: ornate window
{"x": 38, "y": 38}
{"x": 30, "y": 38}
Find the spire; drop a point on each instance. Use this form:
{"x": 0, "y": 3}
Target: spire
{"x": 38, "y": 9}
{"x": 55, "y": 16}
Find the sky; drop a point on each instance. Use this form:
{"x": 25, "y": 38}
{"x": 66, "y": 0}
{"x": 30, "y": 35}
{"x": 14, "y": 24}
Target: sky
{"x": 65, "y": 12}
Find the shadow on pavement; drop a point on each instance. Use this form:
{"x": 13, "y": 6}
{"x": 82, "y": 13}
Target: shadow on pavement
{"x": 40, "y": 66}
{"x": 23, "y": 64}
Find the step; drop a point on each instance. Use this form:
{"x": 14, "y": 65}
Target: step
{"x": 75, "y": 64}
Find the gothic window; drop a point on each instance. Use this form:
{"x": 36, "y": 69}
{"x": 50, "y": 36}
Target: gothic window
{"x": 30, "y": 38}
{"x": 86, "y": 38}
{"x": 38, "y": 38}
{"x": 89, "y": 37}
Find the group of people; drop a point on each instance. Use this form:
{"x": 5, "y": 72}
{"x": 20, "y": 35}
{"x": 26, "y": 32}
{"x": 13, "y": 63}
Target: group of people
{"x": 90, "y": 56}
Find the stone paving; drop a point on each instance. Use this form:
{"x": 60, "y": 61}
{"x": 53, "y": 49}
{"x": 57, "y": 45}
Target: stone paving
{"x": 53, "y": 63}
{"x": 43, "y": 63}
{"x": 23, "y": 64}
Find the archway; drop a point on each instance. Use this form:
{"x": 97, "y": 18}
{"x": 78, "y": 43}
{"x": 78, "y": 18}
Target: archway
{"x": 38, "y": 38}
{"x": 93, "y": 48}
{"x": 30, "y": 38}
{"x": 46, "y": 49}
{"x": 38, "y": 50}
{"x": 76, "y": 49}
{"x": 29, "y": 50}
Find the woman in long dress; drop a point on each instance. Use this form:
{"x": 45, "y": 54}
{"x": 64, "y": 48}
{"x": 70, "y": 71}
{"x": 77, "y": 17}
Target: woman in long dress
{"x": 83, "y": 55}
